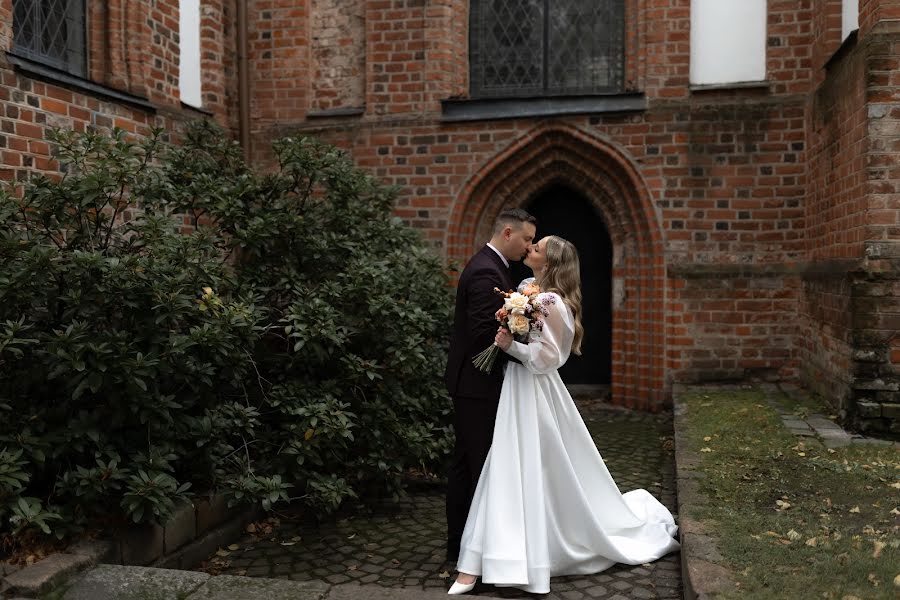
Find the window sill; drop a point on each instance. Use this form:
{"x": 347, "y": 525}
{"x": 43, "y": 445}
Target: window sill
{"x": 843, "y": 50}
{"x": 737, "y": 85}
{"x": 336, "y": 112}
{"x": 199, "y": 109}
{"x": 50, "y": 74}
{"x": 514, "y": 108}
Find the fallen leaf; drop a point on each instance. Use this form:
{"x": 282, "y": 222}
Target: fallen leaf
{"x": 897, "y": 581}
{"x": 812, "y": 542}
{"x": 793, "y": 535}
{"x": 705, "y": 449}
{"x": 879, "y": 546}
{"x": 241, "y": 572}
{"x": 855, "y": 509}
{"x": 234, "y": 547}
{"x": 352, "y": 567}
{"x": 296, "y": 538}
{"x": 707, "y": 438}
{"x": 250, "y": 528}
{"x": 801, "y": 454}
{"x": 873, "y": 579}
{"x": 395, "y": 562}
{"x": 896, "y": 485}
{"x": 351, "y": 536}
{"x": 222, "y": 552}
{"x": 895, "y": 512}
{"x": 288, "y": 543}
{"x": 444, "y": 574}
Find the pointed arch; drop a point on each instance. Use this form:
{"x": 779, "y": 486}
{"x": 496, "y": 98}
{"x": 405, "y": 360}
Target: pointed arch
{"x": 604, "y": 173}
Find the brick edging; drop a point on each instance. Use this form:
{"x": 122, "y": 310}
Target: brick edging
{"x": 703, "y": 574}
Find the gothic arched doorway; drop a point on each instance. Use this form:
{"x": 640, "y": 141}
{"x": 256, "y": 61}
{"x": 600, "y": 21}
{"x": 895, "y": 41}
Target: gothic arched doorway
{"x": 562, "y": 211}
{"x": 610, "y": 180}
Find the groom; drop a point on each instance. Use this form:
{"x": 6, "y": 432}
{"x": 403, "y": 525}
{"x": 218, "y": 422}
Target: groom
{"x": 475, "y": 394}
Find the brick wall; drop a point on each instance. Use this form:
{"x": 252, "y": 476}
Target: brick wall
{"x": 395, "y": 56}
{"x": 871, "y": 12}
{"x": 338, "y": 49}
{"x": 876, "y": 284}
{"x": 278, "y": 54}
{"x": 133, "y": 49}
{"x": 748, "y": 225}
{"x": 218, "y": 60}
{"x": 849, "y": 306}
{"x": 712, "y": 210}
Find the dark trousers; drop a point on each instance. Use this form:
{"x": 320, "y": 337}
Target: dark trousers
{"x": 473, "y": 421}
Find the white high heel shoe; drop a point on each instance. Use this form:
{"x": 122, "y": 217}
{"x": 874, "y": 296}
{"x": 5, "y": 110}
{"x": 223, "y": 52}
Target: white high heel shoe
{"x": 461, "y": 588}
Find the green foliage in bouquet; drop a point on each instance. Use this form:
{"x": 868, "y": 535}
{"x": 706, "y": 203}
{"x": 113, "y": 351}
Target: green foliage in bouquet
{"x": 288, "y": 347}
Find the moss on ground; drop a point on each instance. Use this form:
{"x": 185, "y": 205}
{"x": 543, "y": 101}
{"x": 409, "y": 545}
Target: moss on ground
{"x": 794, "y": 518}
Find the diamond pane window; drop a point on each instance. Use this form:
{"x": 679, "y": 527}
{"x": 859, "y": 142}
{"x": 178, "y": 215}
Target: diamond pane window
{"x": 51, "y": 32}
{"x": 545, "y": 47}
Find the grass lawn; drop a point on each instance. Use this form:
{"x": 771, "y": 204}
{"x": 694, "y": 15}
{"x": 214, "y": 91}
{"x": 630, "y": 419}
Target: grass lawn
{"x": 794, "y": 519}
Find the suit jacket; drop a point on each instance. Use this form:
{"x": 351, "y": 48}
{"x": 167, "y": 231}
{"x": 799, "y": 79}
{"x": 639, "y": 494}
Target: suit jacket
{"x": 474, "y": 327}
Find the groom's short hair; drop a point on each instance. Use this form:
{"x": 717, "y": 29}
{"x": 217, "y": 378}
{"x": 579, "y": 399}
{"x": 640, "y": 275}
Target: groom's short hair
{"x": 513, "y": 217}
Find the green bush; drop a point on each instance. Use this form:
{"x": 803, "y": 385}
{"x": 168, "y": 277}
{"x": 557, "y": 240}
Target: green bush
{"x": 288, "y": 347}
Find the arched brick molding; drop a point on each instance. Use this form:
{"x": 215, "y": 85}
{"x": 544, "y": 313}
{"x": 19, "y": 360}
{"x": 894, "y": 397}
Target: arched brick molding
{"x": 602, "y": 172}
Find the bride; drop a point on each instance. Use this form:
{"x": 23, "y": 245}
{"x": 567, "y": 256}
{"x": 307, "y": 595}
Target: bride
{"x": 545, "y": 504}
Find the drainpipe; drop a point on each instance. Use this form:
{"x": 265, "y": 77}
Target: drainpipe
{"x": 243, "y": 80}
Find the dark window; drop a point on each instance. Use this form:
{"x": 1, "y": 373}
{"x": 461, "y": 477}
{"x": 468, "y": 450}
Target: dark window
{"x": 51, "y": 32}
{"x": 545, "y": 47}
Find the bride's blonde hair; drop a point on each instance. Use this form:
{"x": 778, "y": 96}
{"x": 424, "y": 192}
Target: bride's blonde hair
{"x": 562, "y": 275}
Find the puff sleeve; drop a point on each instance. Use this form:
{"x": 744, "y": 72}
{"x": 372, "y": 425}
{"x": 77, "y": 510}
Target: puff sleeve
{"x": 548, "y": 349}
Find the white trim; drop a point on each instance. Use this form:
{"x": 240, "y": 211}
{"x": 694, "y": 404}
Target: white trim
{"x": 728, "y": 41}
{"x": 849, "y": 17}
{"x": 189, "y": 82}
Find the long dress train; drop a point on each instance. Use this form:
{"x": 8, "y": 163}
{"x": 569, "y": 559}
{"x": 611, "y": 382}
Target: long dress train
{"x": 545, "y": 504}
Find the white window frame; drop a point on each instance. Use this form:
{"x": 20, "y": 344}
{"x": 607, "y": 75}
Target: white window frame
{"x": 728, "y": 41}
{"x": 849, "y": 17}
{"x": 189, "y": 82}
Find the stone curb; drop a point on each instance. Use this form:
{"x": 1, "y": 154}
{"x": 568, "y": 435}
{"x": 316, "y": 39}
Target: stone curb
{"x": 702, "y": 576}
{"x": 118, "y": 582}
{"x": 189, "y": 536}
{"x": 46, "y": 574}
{"x": 831, "y": 434}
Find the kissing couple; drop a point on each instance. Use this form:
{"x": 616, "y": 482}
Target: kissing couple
{"x": 528, "y": 495}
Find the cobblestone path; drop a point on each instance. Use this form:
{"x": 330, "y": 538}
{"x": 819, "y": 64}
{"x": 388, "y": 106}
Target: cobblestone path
{"x": 402, "y": 545}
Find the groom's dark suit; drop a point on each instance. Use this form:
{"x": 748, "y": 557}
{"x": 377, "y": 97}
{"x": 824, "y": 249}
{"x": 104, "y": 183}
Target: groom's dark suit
{"x": 475, "y": 394}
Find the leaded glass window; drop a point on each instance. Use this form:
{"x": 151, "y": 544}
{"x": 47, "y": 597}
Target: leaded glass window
{"x": 545, "y": 47}
{"x": 51, "y": 32}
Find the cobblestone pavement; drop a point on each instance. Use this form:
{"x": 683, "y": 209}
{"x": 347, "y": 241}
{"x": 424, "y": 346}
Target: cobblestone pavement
{"x": 401, "y": 545}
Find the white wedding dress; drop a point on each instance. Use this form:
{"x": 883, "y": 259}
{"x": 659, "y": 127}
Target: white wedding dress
{"x": 545, "y": 504}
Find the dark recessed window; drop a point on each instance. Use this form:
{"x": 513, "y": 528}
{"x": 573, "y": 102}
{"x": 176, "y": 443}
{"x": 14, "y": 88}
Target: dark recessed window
{"x": 545, "y": 47}
{"x": 51, "y": 32}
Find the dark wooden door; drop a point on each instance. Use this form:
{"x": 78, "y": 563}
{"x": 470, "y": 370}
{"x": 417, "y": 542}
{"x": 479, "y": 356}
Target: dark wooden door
{"x": 562, "y": 211}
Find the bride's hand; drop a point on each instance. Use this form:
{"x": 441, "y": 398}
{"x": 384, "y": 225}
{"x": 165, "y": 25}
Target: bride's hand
{"x": 503, "y": 339}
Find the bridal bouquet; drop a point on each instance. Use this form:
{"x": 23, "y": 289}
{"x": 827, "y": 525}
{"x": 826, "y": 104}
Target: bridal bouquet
{"x": 521, "y": 313}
